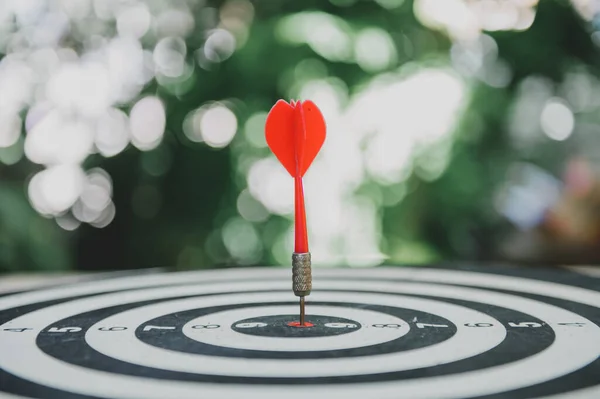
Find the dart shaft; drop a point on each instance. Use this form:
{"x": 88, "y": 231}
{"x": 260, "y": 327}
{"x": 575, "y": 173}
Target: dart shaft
{"x": 301, "y": 265}
{"x": 301, "y": 274}
{"x": 301, "y": 234}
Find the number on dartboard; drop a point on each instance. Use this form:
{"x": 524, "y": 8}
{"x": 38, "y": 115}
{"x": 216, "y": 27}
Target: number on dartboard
{"x": 479, "y": 325}
{"x": 112, "y": 328}
{"x": 64, "y": 329}
{"x": 572, "y": 324}
{"x": 387, "y": 325}
{"x": 205, "y": 326}
{"x": 525, "y": 324}
{"x": 340, "y": 325}
{"x": 423, "y": 325}
{"x": 17, "y": 329}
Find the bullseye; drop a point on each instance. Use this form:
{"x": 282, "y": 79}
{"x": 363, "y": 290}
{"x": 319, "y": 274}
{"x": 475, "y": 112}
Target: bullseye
{"x": 383, "y": 332}
{"x": 297, "y": 324}
{"x": 286, "y": 326}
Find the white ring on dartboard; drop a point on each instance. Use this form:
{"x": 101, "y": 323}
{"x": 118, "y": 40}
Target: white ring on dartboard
{"x": 65, "y": 376}
{"x": 230, "y": 338}
{"x": 210, "y": 277}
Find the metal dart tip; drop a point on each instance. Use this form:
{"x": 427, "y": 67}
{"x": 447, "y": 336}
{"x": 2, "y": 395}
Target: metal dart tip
{"x": 301, "y": 310}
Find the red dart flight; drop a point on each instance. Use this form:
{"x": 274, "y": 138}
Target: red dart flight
{"x": 295, "y": 133}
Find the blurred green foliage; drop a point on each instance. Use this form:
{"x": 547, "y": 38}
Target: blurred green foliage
{"x": 170, "y": 200}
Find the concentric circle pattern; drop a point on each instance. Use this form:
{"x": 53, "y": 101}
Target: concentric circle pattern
{"x": 388, "y": 332}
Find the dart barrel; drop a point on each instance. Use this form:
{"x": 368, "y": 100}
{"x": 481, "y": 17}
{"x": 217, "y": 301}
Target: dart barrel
{"x": 301, "y": 274}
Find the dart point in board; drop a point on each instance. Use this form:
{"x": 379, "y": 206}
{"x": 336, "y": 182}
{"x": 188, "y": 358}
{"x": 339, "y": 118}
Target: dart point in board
{"x": 295, "y": 133}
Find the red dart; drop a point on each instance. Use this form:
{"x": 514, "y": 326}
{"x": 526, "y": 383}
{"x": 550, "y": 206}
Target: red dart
{"x": 295, "y": 132}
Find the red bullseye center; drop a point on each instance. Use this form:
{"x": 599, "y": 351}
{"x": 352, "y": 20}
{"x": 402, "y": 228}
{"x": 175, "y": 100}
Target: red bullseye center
{"x": 297, "y": 324}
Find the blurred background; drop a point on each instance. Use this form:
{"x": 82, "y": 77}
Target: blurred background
{"x": 132, "y": 132}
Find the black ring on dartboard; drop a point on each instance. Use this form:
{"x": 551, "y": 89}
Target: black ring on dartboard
{"x": 181, "y": 343}
{"x": 581, "y": 378}
{"x": 90, "y": 358}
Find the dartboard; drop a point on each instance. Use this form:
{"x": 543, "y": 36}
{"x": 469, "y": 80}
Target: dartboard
{"x": 384, "y": 332}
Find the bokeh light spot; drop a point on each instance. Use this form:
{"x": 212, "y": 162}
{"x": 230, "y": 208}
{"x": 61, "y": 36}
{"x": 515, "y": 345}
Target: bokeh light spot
{"x": 147, "y": 122}
{"x": 97, "y": 190}
{"x": 219, "y": 45}
{"x": 375, "y": 50}
{"x": 236, "y": 17}
{"x": 269, "y": 182}
{"x": 105, "y": 217}
{"x": 56, "y": 139}
{"x": 174, "y": 22}
{"x": 191, "y": 125}
{"x": 251, "y": 209}
{"x": 218, "y": 126}
{"x": 557, "y": 120}
{"x": 67, "y": 222}
{"x": 169, "y": 56}
{"x": 83, "y": 88}
{"x": 134, "y": 20}
{"x": 241, "y": 240}
{"x": 16, "y": 81}
{"x": 112, "y": 132}
{"x": 328, "y": 35}
{"x": 54, "y": 190}
{"x": 463, "y": 19}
